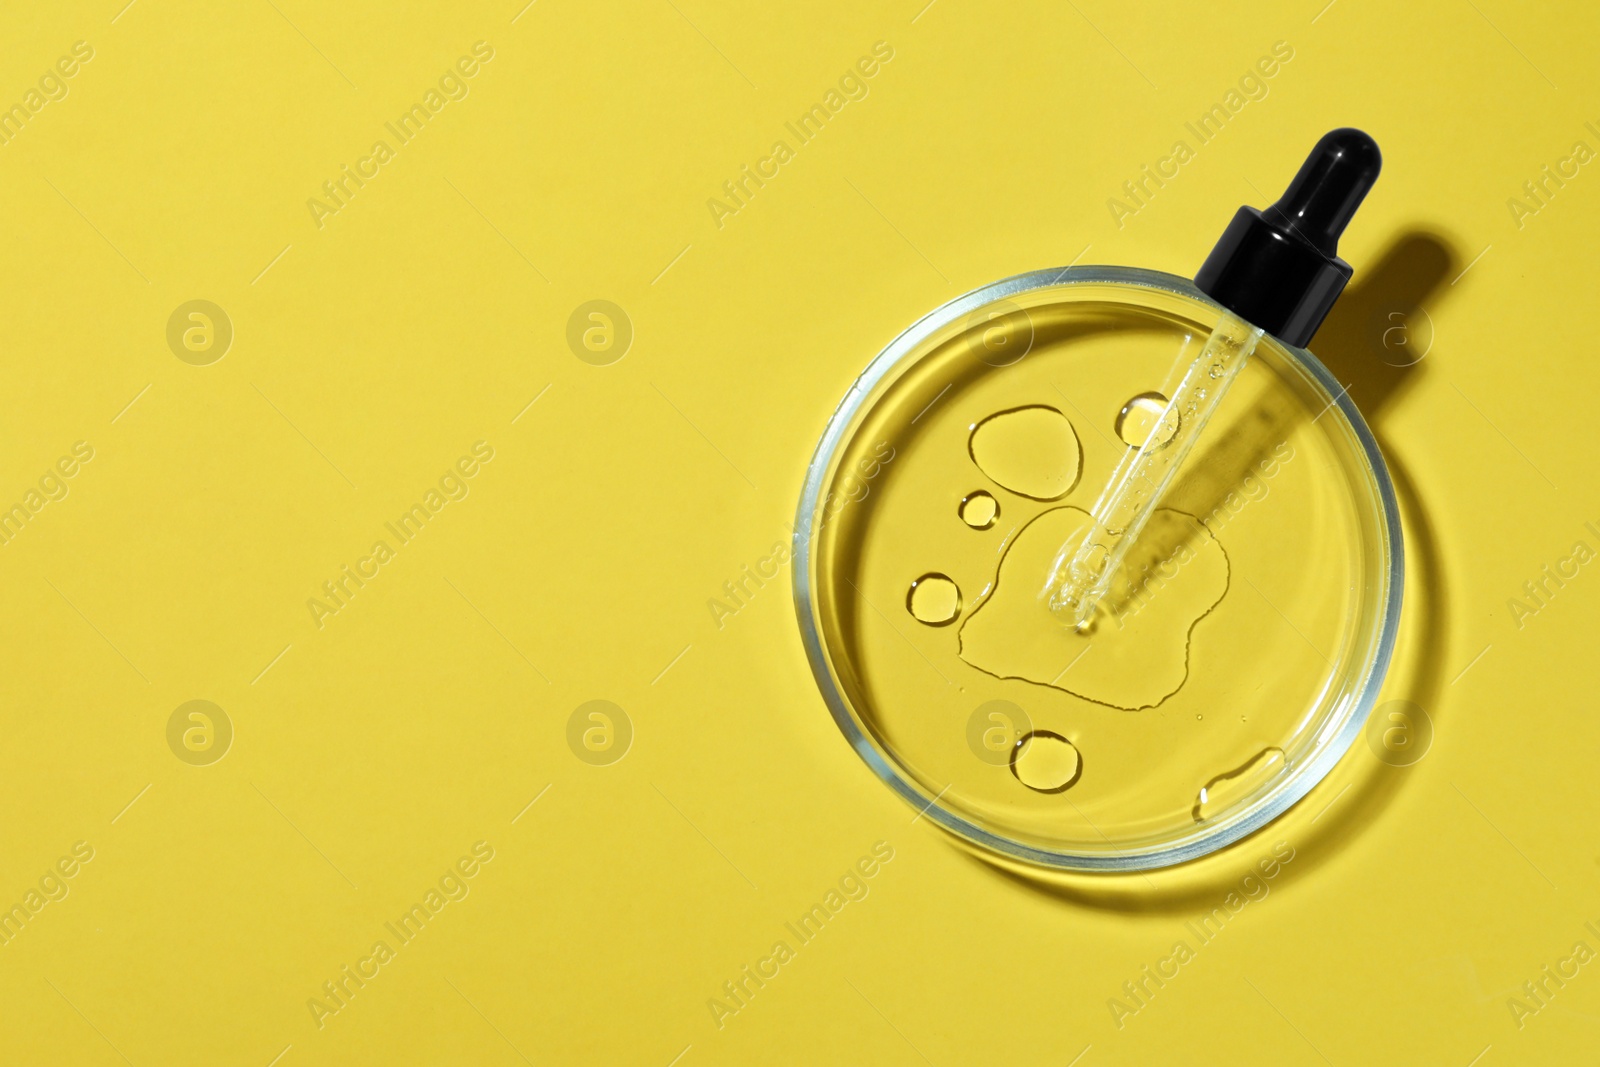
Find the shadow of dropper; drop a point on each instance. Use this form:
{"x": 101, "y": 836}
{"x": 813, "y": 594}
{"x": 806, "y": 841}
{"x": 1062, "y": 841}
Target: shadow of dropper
{"x": 1377, "y": 337}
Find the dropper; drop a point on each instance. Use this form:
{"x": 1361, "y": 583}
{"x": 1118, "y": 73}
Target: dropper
{"x": 1274, "y": 272}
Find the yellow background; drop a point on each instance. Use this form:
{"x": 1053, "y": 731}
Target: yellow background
{"x": 370, "y": 353}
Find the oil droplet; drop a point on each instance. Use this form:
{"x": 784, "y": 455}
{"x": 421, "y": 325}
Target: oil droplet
{"x": 1225, "y": 790}
{"x": 1032, "y": 451}
{"x": 934, "y": 599}
{"x": 979, "y": 510}
{"x": 1143, "y": 416}
{"x": 1046, "y": 762}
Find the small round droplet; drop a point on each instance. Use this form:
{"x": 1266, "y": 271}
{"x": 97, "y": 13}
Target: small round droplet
{"x": 934, "y": 599}
{"x": 979, "y": 510}
{"x": 1046, "y": 762}
{"x": 1146, "y": 415}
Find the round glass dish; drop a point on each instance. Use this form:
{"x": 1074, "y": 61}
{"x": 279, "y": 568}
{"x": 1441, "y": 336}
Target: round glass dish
{"x": 1243, "y": 645}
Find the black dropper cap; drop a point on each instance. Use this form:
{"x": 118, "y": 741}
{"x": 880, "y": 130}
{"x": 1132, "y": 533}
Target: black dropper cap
{"x": 1279, "y": 269}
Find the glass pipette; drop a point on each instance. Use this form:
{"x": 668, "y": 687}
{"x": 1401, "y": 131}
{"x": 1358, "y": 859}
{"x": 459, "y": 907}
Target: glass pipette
{"x": 1275, "y": 271}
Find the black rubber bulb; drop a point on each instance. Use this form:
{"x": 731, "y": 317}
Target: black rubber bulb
{"x": 1279, "y": 269}
{"x": 1331, "y": 184}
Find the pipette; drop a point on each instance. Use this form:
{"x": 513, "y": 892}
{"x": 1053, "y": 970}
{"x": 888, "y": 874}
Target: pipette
{"x": 1274, "y": 272}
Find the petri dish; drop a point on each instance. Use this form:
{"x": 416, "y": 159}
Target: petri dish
{"x": 1245, "y": 639}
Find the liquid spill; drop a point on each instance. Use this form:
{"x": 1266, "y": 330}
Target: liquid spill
{"x": 1046, "y": 762}
{"x": 934, "y": 599}
{"x": 1146, "y": 415}
{"x": 979, "y": 510}
{"x": 1136, "y": 653}
{"x": 1032, "y": 451}
{"x": 1225, "y": 790}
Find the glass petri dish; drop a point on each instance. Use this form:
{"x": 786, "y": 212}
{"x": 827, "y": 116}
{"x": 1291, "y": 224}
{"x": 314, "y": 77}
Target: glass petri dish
{"x": 1244, "y": 642}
